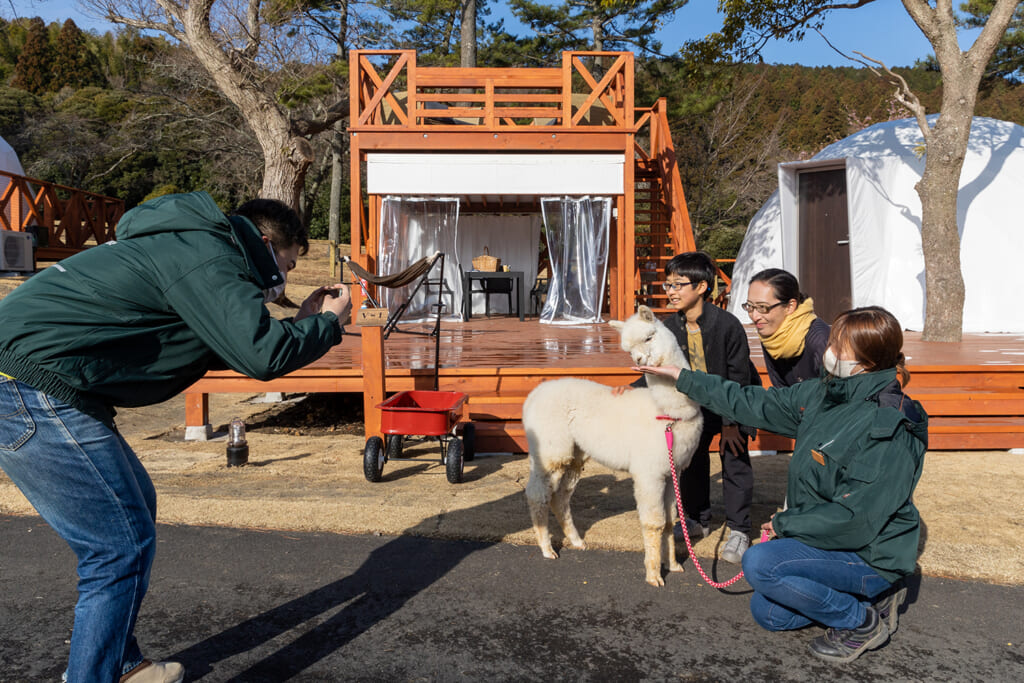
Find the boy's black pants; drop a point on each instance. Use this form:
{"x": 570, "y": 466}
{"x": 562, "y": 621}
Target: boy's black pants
{"x": 737, "y": 485}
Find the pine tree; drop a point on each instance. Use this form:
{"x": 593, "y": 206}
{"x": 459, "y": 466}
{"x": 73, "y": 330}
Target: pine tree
{"x": 33, "y": 70}
{"x": 73, "y": 64}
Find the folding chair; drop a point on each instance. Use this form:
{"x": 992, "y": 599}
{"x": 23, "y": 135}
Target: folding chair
{"x": 418, "y": 272}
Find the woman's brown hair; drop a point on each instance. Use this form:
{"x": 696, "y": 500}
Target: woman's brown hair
{"x": 875, "y": 338}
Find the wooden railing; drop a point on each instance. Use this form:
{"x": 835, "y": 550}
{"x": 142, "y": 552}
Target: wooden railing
{"x": 72, "y": 218}
{"x": 663, "y": 155}
{"x": 389, "y": 90}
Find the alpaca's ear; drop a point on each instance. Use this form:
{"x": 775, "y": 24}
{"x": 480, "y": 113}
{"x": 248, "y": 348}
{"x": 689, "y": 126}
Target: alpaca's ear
{"x": 646, "y": 314}
{"x": 616, "y": 325}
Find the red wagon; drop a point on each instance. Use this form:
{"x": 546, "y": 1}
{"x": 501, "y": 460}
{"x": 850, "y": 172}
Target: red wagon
{"x": 412, "y": 414}
{"x": 421, "y": 414}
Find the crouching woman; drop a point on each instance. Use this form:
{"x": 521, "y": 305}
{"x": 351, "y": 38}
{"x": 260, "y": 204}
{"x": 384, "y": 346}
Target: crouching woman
{"x": 850, "y": 531}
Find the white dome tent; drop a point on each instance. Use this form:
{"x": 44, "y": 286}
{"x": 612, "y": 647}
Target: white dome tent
{"x": 8, "y": 163}
{"x": 9, "y": 160}
{"x": 882, "y": 224}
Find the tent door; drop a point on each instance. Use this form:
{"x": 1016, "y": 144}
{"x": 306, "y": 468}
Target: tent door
{"x": 825, "y": 241}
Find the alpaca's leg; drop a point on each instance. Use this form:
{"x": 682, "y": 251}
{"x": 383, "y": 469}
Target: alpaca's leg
{"x": 570, "y": 476}
{"x": 671, "y": 516}
{"x": 538, "y": 497}
{"x": 650, "y": 506}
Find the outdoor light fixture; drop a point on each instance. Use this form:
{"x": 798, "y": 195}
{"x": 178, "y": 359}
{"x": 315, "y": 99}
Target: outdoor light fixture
{"x": 238, "y": 448}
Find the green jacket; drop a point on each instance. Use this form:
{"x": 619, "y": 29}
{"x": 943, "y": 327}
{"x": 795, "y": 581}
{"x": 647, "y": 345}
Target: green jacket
{"x": 135, "y": 321}
{"x": 855, "y": 464}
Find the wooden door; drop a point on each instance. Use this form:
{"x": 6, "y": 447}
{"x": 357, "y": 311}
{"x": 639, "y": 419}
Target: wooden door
{"x": 825, "y": 242}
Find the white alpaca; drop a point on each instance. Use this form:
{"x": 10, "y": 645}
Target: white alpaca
{"x": 568, "y": 421}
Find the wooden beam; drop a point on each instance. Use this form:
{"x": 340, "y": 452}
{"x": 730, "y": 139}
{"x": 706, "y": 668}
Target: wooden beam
{"x": 197, "y": 409}
{"x": 373, "y": 378}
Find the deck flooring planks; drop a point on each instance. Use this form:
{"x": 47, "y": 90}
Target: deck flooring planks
{"x": 973, "y": 390}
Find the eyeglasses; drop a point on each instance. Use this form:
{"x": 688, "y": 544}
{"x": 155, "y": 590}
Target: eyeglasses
{"x": 676, "y": 286}
{"x": 760, "y": 308}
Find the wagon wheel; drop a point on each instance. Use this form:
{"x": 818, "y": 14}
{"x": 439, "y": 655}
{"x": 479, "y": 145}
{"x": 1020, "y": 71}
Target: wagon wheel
{"x": 394, "y": 449}
{"x": 373, "y": 458}
{"x": 454, "y": 462}
{"x": 468, "y": 441}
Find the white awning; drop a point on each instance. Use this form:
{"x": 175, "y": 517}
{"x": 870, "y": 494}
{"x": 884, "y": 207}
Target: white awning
{"x": 495, "y": 174}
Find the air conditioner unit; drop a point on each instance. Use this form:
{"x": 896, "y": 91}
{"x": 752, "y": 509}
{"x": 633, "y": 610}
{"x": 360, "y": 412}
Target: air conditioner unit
{"x": 16, "y": 253}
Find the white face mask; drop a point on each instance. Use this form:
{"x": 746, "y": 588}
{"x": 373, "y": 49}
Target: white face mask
{"x": 275, "y": 292}
{"x": 836, "y": 367}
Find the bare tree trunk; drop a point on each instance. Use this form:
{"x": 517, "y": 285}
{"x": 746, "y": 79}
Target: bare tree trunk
{"x": 946, "y": 145}
{"x": 940, "y": 236}
{"x": 337, "y": 169}
{"x": 338, "y": 140}
{"x": 467, "y": 57}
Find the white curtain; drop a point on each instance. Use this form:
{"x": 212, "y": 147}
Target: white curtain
{"x": 410, "y": 229}
{"x": 577, "y": 232}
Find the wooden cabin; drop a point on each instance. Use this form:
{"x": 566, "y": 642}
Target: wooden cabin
{"x": 414, "y": 130}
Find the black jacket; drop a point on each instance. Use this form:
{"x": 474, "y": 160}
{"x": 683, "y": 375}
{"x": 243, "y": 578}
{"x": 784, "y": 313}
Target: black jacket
{"x": 726, "y": 354}
{"x": 785, "y": 372}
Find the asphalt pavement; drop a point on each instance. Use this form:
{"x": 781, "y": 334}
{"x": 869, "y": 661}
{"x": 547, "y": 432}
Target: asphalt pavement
{"x": 243, "y": 605}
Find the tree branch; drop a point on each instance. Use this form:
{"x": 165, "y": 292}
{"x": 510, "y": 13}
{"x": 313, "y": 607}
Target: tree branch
{"x": 904, "y": 95}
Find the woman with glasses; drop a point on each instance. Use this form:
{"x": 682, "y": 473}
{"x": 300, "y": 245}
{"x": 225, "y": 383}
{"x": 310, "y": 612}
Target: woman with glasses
{"x": 850, "y": 534}
{"x": 792, "y": 337}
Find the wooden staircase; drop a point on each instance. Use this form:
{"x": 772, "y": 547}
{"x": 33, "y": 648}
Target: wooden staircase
{"x": 654, "y": 245}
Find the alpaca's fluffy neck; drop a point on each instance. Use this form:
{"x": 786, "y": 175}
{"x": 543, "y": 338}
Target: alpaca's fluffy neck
{"x": 669, "y": 399}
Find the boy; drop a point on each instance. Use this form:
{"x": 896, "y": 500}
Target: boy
{"x": 714, "y": 342}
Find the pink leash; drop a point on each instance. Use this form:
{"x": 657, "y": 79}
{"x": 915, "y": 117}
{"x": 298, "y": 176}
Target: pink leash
{"x": 670, "y": 440}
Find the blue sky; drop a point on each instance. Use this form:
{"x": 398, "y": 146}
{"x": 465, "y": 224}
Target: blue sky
{"x": 882, "y": 30}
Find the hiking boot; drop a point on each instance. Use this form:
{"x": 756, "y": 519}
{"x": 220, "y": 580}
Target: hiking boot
{"x": 735, "y": 547}
{"x": 155, "y": 672}
{"x": 845, "y": 645}
{"x": 696, "y": 529}
{"x": 888, "y": 608}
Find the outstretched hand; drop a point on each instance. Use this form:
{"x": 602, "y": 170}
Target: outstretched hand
{"x": 664, "y": 370}
{"x": 321, "y": 301}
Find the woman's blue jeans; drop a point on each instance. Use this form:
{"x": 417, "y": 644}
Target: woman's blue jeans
{"x": 85, "y": 481}
{"x": 796, "y": 585}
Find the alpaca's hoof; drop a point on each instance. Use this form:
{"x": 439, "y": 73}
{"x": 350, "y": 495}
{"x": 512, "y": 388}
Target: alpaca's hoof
{"x": 550, "y": 554}
{"x": 676, "y": 567}
{"x": 576, "y": 545}
{"x": 656, "y": 580}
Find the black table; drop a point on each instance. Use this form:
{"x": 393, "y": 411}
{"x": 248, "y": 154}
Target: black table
{"x": 467, "y": 295}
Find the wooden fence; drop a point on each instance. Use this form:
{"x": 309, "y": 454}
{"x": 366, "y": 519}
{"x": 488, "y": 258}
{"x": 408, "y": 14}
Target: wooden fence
{"x": 65, "y": 219}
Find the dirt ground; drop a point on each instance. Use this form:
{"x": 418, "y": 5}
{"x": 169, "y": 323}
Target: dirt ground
{"x": 305, "y": 474}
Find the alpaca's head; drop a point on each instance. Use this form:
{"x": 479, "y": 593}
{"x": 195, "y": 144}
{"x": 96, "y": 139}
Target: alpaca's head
{"x": 648, "y": 341}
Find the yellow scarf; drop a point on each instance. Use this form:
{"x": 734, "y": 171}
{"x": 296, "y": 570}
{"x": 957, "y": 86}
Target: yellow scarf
{"x": 788, "y": 340}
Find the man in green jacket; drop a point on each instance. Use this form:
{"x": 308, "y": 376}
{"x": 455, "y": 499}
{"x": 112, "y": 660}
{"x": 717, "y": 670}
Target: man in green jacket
{"x": 133, "y": 322}
{"x": 850, "y": 529}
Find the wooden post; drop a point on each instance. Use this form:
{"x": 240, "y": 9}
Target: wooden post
{"x": 627, "y": 230}
{"x": 373, "y": 378}
{"x": 356, "y": 227}
{"x": 197, "y": 417}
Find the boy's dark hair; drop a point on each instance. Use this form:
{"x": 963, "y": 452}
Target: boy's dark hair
{"x": 695, "y": 266}
{"x": 277, "y": 221}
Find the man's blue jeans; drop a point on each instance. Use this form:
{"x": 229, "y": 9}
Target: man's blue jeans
{"x": 796, "y": 585}
{"x": 86, "y": 482}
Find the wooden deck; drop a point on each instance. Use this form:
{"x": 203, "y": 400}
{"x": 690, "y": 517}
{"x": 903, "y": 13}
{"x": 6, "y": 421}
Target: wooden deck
{"x": 973, "y": 391}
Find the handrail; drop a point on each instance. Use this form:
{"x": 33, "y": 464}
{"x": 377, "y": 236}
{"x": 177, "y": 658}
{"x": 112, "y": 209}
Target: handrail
{"x": 70, "y": 223}
{"x": 664, "y": 155}
{"x": 399, "y": 94}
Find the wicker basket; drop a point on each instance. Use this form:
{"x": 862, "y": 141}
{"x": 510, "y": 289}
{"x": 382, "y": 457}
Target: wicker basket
{"x": 486, "y": 262}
